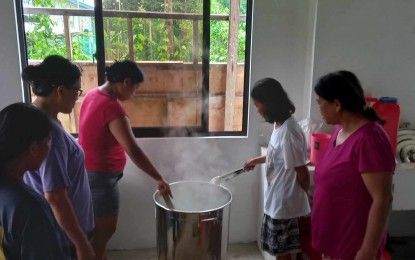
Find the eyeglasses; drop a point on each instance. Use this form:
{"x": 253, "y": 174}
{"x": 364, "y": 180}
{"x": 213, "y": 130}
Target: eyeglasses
{"x": 78, "y": 91}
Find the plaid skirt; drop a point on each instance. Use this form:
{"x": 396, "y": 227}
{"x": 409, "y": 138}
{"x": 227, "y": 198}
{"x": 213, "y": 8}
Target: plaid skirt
{"x": 280, "y": 236}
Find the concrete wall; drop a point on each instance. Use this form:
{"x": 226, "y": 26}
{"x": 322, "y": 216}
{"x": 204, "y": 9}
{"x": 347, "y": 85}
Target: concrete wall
{"x": 282, "y": 48}
{"x": 375, "y": 39}
{"x": 11, "y": 90}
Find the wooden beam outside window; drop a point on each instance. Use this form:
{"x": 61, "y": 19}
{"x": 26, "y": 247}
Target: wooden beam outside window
{"x": 231, "y": 70}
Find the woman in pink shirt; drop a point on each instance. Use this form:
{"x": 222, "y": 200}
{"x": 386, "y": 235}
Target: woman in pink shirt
{"x": 353, "y": 181}
{"x": 105, "y": 134}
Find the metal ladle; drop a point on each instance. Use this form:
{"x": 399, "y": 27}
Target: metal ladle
{"x": 219, "y": 179}
{"x": 168, "y": 201}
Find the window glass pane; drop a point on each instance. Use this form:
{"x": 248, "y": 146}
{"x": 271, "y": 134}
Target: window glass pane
{"x": 134, "y": 5}
{"x": 165, "y": 38}
{"x": 166, "y": 43}
{"x": 227, "y": 58}
{"x": 51, "y": 28}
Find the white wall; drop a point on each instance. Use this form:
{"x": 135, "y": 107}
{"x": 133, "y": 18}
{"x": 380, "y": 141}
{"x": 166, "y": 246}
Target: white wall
{"x": 373, "y": 38}
{"x": 9, "y": 56}
{"x": 282, "y": 48}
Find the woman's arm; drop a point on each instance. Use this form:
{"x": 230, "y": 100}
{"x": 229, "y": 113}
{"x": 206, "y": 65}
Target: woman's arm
{"x": 303, "y": 177}
{"x": 379, "y": 185}
{"x": 65, "y": 215}
{"x": 121, "y": 130}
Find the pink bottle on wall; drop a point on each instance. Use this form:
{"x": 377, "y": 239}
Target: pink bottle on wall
{"x": 318, "y": 143}
{"x": 388, "y": 109}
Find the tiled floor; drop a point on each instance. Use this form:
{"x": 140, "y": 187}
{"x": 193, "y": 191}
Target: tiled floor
{"x": 403, "y": 247}
{"x": 236, "y": 251}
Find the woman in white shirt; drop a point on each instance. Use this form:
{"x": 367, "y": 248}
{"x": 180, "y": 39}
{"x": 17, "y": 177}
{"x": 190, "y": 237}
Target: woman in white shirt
{"x": 287, "y": 175}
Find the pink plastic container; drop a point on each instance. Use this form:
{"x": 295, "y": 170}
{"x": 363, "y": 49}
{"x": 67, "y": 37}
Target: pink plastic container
{"x": 318, "y": 145}
{"x": 388, "y": 109}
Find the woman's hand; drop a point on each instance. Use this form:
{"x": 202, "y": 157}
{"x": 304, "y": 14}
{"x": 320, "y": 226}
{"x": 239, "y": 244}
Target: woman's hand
{"x": 250, "y": 164}
{"x": 164, "y": 188}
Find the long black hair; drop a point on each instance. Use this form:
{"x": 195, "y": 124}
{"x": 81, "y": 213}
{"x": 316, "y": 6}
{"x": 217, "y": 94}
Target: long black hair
{"x": 54, "y": 71}
{"x": 20, "y": 125}
{"x": 126, "y": 69}
{"x": 272, "y": 95}
{"x": 344, "y": 86}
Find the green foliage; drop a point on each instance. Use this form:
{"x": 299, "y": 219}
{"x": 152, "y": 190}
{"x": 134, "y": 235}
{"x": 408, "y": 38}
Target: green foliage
{"x": 219, "y": 41}
{"x": 42, "y": 41}
{"x": 83, "y": 46}
{"x": 115, "y": 38}
{"x": 150, "y": 36}
{"x": 241, "y": 42}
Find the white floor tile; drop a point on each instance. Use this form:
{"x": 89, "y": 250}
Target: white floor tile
{"x": 247, "y": 251}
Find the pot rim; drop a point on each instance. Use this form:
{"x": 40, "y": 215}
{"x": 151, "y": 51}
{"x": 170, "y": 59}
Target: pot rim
{"x": 194, "y": 212}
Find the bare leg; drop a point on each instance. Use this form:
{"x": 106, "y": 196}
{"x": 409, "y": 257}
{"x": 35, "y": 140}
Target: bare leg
{"x": 104, "y": 229}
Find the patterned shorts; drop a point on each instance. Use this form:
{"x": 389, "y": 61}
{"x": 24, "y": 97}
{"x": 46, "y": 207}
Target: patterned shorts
{"x": 280, "y": 236}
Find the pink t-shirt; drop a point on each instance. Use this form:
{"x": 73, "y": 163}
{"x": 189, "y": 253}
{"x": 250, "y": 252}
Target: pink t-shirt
{"x": 341, "y": 201}
{"x": 103, "y": 153}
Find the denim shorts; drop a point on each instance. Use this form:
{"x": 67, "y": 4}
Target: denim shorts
{"x": 105, "y": 193}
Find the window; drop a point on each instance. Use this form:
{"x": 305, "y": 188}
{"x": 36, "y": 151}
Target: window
{"x": 195, "y": 54}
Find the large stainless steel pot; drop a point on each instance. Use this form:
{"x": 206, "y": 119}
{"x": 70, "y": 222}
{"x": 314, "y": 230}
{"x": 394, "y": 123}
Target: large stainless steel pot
{"x": 197, "y": 228}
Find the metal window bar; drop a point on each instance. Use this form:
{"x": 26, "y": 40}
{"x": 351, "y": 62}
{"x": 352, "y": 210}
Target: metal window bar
{"x": 129, "y": 15}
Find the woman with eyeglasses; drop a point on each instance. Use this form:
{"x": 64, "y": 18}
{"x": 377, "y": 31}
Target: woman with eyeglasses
{"x": 62, "y": 178}
{"x": 28, "y": 229}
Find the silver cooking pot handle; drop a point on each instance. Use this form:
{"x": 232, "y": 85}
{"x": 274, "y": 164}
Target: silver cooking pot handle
{"x": 209, "y": 219}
